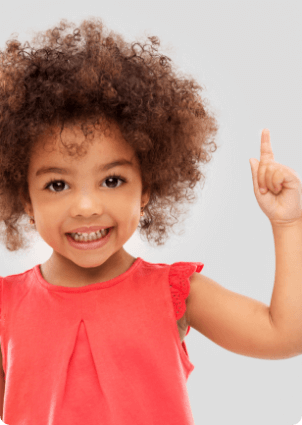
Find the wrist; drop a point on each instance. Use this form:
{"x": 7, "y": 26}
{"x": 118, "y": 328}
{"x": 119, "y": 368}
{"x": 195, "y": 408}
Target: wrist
{"x": 286, "y": 224}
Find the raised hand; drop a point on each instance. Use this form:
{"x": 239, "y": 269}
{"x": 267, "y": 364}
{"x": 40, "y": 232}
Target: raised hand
{"x": 282, "y": 197}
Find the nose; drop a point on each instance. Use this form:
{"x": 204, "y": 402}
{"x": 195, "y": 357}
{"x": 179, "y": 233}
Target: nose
{"x": 87, "y": 202}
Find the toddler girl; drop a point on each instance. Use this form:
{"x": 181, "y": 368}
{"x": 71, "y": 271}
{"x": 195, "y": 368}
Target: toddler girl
{"x": 99, "y": 138}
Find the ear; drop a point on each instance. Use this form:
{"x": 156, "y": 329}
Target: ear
{"x": 146, "y": 196}
{"x": 27, "y": 206}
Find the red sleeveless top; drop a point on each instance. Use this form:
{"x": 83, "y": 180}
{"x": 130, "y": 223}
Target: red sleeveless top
{"x": 107, "y": 353}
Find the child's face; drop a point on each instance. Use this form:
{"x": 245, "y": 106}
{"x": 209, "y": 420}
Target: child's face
{"x": 85, "y": 197}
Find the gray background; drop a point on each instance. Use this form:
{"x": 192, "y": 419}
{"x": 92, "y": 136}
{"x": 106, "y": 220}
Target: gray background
{"x": 248, "y": 56}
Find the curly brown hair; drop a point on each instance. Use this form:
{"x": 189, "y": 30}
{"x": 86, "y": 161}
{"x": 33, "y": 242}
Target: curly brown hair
{"x": 65, "y": 79}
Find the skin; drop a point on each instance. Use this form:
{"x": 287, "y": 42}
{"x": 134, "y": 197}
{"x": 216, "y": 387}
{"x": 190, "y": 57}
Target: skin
{"x": 86, "y": 198}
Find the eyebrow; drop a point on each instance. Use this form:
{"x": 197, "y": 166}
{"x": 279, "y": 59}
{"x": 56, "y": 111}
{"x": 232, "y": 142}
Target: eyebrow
{"x": 103, "y": 167}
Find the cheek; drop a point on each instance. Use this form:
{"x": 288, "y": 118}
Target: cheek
{"x": 130, "y": 218}
{"x": 50, "y": 235}
{"x": 49, "y": 223}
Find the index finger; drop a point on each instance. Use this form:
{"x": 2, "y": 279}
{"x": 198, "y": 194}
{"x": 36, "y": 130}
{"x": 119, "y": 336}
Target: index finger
{"x": 266, "y": 152}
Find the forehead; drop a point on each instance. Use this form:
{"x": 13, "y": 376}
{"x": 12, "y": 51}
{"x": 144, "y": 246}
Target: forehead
{"x": 107, "y": 144}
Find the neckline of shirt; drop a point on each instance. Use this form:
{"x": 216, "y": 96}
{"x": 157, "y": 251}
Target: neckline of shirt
{"x": 90, "y": 287}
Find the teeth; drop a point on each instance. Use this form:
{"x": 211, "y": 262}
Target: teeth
{"x": 84, "y": 237}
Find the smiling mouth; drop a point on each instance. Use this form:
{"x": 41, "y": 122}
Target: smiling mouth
{"x": 94, "y": 236}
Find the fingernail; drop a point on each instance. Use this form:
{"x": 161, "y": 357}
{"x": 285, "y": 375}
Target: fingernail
{"x": 262, "y": 190}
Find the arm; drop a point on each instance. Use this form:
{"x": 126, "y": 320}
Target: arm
{"x": 241, "y": 324}
{"x": 248, "y": 327}
{"x": 286, "y": 302}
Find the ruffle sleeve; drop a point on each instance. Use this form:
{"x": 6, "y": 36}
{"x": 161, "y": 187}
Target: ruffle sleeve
{"x": 180, "y": 284}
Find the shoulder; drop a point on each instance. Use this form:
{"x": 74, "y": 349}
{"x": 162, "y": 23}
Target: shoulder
{"x": 201, "y": 289}
{"x": 208, "y": 303}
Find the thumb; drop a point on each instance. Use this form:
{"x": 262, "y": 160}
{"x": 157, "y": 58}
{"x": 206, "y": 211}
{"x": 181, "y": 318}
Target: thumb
{"x": 254, "y": 163}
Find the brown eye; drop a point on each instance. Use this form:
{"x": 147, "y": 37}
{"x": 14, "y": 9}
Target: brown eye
{"x": 56, "y": 184}
{"x": 113, "y": 178}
